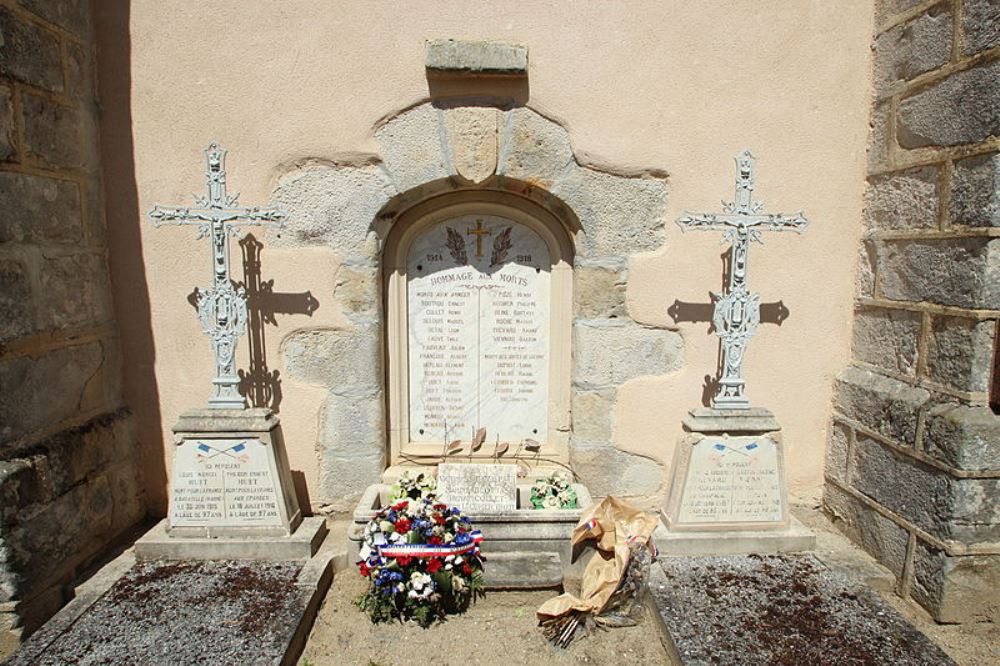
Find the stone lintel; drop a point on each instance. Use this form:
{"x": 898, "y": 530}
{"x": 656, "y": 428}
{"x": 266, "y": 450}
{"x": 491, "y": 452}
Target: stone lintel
{"x": 258, "y": 419}
{"x": 754, "y": 420}
{"x": 458, "y": 56}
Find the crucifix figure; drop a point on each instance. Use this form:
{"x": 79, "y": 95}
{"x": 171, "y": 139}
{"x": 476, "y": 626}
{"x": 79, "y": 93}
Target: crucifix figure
{"x": 737, "y": 311}
{"x": 479, "y": 232}
{"x": 222, "y": 309}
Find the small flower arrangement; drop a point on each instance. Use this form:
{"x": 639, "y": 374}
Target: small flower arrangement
{"x": 553, "y": 492}
{"x": 419, "y": 485}
{"x": 422, "y": 560}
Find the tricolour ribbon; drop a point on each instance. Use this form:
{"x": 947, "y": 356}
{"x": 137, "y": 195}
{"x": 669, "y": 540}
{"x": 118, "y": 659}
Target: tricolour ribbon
{"x": 429, "y": 550}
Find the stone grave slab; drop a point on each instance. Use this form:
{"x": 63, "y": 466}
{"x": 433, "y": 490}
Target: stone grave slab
{"x": 478, "y": 488}
{"x": 761, "y": 610}
{"x": 219, "y": 612}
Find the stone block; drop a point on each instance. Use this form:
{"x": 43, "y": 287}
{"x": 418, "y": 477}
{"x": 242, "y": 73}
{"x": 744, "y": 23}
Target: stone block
{"x": 8, "y": 132}
{"x": 864, "y": 286}
{"x": 594, "y": 415}
{"x": 74, "y": 290}
{"x": 911, "y": 489}
{"x": 879, "y": 137}
{"x": 333, "y": 206}
{"x": 903, "y": 200}
{"x": 352, "y": 427}
{"x": 975, "y": 191}
{"x": 599, "y": 292}
{"x": 886, "y": 405}
{"x": 837, "y": 450}
{"x": 956, "y": 588}
{"x": 471, "y": 134}
{"x": 980, "y": 25}
{"x": 30, "y": 53}
{"x": 908, "y": 50}
{"x": 79, "y": 74}
{"x": 962, "y": 109}
{"x": 71, "y": 15}
{"x": 342, "y": 481}
{"x": 36, "y": 209}
{"x": 620, "y": 216}
{"x": 21, "y": 485}
{"x": 963, "y": 272}
{"x": 348, "y": 361}
{"x": 609, "y": 352}
{"x": 606, "y": 470}
{"x": 41, "y": 392}
{"x": 356, "y": 288}
{"x": 412, "y": 146}
{"x": 877, "y": 535}
{"x": 533, "y": 148}
{"x": 887, "y": 338}
{"x": 307, "y": 539}
{"x": 960, "y": 352}
{"x": 15, "y": 300}
{"x": 965, "y": 437}
{"x": 455, "y": 55}
{"x": 51, "y": 132}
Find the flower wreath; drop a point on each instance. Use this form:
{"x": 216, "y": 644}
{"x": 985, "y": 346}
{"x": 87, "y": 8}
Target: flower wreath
{"x": 553, "y": 492}
{"x": 422, "y": 560}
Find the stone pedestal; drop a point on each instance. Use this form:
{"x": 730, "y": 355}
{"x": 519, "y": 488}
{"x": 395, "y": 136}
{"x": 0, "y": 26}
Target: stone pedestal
{"x": 231, "y": 493}
{"x": 728, "y": 494}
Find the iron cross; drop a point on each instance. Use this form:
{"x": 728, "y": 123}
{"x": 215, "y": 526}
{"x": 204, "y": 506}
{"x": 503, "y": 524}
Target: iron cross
{"x": 222, "y": 309}
{"x": 737, "y": 311}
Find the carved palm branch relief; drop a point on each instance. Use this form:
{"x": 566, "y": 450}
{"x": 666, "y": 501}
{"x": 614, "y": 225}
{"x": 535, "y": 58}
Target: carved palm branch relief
{"x": 501, "y": 246}
{"x": 456, "y": 246}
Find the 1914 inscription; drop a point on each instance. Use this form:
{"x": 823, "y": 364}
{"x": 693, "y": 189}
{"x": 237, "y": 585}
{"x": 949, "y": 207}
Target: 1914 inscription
{"x": 732, "y": 480}
{"x": 223, "y": 483}
{"x": 478, "y": 330}
{"x": 477, "y": 489}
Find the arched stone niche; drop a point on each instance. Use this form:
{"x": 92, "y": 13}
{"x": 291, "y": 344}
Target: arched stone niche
{"x": 469, "y": 160}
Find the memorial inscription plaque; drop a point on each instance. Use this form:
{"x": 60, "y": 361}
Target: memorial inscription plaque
{"x": 478, "y": 298}
{"x": 223, "y": 483}
{"x": 732, "y": 480}
{"x": 477, "y": 489}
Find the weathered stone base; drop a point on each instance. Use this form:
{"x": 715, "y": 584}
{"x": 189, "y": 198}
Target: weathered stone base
{"x": 792, "y": 539}
{"x": 525, "y": 548}
{"x": 156, "y": 544}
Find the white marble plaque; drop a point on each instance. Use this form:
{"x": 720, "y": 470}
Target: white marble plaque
{"x": 732, "y": 480}
{"x": 478, "y": 291}
{"x": 477, "y": 489}
{"x": 223, "y": 483}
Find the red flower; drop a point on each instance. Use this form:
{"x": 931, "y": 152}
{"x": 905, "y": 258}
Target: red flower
{"x": 404, "y": 560}
{"x": 364, "y": 568}
{"x": 440, "y": 506}
{"x": 434, "y": 540}
{"x": 466, "y": 569}
{"x": 433, "y": 565}
{"x": 399, "y": 506}
{"x": 438, "y": 520}
{"x": 403, "y": 525}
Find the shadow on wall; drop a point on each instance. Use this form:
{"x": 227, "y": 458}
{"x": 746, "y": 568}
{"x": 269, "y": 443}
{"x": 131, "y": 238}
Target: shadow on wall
{"x": 260, "y": 385}
{"x": 125, "y": 261}
{"x": 770, "y": 313}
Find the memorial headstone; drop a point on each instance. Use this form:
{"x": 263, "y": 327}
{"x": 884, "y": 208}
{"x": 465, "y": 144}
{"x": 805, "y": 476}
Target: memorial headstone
{"x": 231, "y": 492}
{"x": 477, "y": 489}
{"x": 728, "y": 492}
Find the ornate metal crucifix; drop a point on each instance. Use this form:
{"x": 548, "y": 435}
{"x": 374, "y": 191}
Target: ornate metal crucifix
{"x": 222, "y": 309}
{"x": 737, "y": 311}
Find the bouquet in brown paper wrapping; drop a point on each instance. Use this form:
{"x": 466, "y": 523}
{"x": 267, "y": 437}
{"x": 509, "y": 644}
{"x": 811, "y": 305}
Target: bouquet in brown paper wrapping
{"x": 613, "y": 576}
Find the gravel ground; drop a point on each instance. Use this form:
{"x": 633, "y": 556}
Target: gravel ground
{"x": 499, "y": 629}
{"x": 781, "y": 610}
{"x": 168, "y": 614}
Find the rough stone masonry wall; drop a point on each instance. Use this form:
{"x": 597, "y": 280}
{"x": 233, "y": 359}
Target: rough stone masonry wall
{"x": 913, "y": 467}
{"x": 67, "y": 464}
{"x": 428, "y": 150}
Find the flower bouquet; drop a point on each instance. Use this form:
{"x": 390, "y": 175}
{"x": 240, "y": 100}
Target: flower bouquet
{"x": 422, "y": 560}
{"x": 553, "y": 492}
{"x": 415, "y": 486}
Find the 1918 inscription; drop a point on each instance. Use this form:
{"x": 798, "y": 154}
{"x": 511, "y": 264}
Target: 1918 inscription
{"x": 223, "y": 483}
{"x": 732, "y": 480}
{"x": 478, "y": 319}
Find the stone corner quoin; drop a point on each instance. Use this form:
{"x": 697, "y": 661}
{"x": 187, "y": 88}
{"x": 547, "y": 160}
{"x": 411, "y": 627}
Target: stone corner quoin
{"x": 427, "y": 150}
